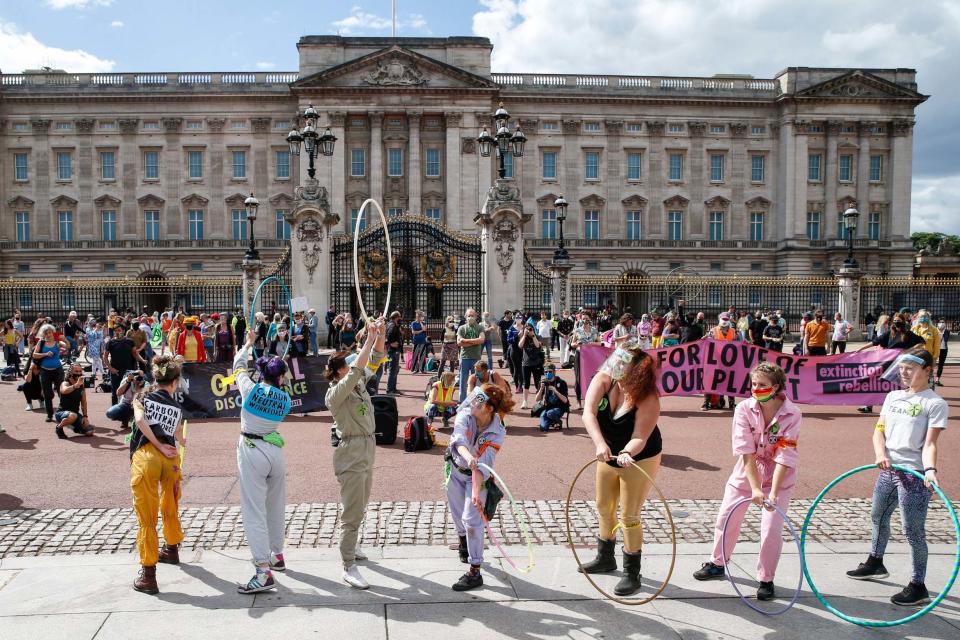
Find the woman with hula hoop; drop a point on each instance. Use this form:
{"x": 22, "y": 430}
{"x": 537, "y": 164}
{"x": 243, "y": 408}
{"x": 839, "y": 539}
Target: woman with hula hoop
{"x": 349, "y": 401}
{"x": 620, "y": 414}
{"x": 261, "y": 466}
{"x": 906, "y": 434}
{"x": 478, "y": 435}
{"x": 765, "y": 432}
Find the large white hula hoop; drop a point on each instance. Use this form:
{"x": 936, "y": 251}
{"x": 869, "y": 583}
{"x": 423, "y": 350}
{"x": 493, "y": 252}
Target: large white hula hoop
{"x": 356, "y": 258}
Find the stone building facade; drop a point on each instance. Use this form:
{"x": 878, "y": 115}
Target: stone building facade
{"x": 144, "y": 174}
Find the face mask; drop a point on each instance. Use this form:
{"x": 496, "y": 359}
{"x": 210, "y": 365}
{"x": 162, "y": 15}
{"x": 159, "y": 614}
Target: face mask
{"x": 765, "y": 394}
{"x": 818, "y": 318}
{"x": 941, "y": 326}
{"x": 189, "y": 327}
{"x": 548, "y": 376}
{"x": 724, "y": 323}
{"x": 925, "y": 320}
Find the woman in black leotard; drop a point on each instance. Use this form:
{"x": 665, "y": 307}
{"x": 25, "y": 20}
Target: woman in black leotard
{"x": 621, "y": 409}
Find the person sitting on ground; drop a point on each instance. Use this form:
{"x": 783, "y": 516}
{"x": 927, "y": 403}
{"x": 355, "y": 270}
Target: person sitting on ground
{"x": 441, "y": 401}
{"x": 553, "y": 397}
{"x": 72, "y": 411}
{"x": 130, "y": 385}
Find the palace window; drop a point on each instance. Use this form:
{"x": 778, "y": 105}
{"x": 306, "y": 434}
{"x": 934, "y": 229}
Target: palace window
{"x": 394, "y": 162}
{"x": 434, "y": 213}
{"x": 591, "y": 225}
{"x": 108, "y": 225}
{"x": 64, "y": 166}
{"x": 508, "y": 164}
{"x": 813, "y": 167}
{"x": 676, "y": 166}
{"x": 108, "y": 165}
{"x": 23, "y": 226}
{"x": 757, "y": 168}
{"x": 239, "y": 219}
{"x": 591, "y": 168}
{"x": 282, "y": 226}
{"x": 20, "y": 167}
{"x": 195, "y": 224}
{"x": 433, "y": 163}
{"x": 65, "y": 225}
{"x": 756, "y": 225}
{"x": 549, "y": 126}
{"x": 151, "y": 224}
{"x": 109, "y": 267}
{"x": 633, "y": 165}
{"x": 549, "y": 165}
{"x": 716, "y": 167}
{"x": 283, "y": 164}
{"x": 634, "y": 127}
{"x": 633, "y": 225}
{"x": 718, "y": 128}
{"x": 591, "y": 127}
{"x": 354, "y": 213}
{"x": 239, "y": 165}
{"x": 675, "y": 225}
{"x": 195, "y": 165}
{"x": 394, "y": 212}
{"x": 358, "y": 163}
{"x": 873, "y": 225}
{"x": 757, "y": 130}
{"x": 675, "y": 127}
{"x": 813, "y": 225}
{"x": 846, "y": 168}
{"x": 876, "y": 168}
{"x": 548, "y": 224}
{"x": 716, "y": 225}
{"x": 151, "y": 165}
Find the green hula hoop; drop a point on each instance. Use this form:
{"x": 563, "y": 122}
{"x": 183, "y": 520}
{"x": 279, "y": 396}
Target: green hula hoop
{"x": 253, "y": 309}
{"x": 879, "y": 623}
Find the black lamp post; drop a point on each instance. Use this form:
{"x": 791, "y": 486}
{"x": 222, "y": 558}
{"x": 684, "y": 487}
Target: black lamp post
{"x": 560, "y": 205}
{"x": 252, "y": 204}
{"x": 504, "y": 140}
{"x": 313, "y": 142}
{"x": 850, "y": 218}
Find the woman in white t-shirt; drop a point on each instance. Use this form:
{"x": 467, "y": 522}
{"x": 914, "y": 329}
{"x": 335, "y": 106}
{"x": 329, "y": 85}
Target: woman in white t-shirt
{"x": 841, "y": 329}
{"x": 906, "y": 434}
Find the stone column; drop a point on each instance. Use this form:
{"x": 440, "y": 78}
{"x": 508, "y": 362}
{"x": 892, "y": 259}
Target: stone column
{"x": 252, "y": 275}
{"x": 42, "y": 218}
{"x": 338, "y": 179}
{"x": 801, "y": 160}
{"x": 570, "y": 175}
{"x": 312, "y": 222}
{"x": 128, "y": 162}
{"x": 414, "y": 172}
{"x": 865, "y": 129}
{"x": 501, "y": 232}
{"x": 899, "y": 170}
{"x": 655, "y": 179}
{"x": 452, "y": 183}
{"x": 172, "y": 161}
{"x": 218, "y": 223}
{"x": 831, "y": 176}
{"x": 376, "y": 157}
{"x": 738, "y": 169}
{"x": 696, "y": 177}
{"x": 848, "y": 304}
{"x": 260, "y": 160}
{"x": 85, "y": 224}
{"x": 614, "y": 225}
{"x": 560, "y": 281}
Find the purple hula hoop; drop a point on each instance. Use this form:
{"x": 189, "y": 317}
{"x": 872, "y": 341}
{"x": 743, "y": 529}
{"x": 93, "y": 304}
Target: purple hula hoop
{"x": 796, "y": 538}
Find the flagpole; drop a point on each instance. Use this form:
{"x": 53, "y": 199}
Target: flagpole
{"x": 394, "y": 18}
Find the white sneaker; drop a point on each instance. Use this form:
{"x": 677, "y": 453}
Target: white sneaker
{"x": 353, "y": 578}
{"x": 524, "y": 405}
{"x": 29, "y": 407}
{"x": 2, "y": 430}
{"x": 359, "y": 554}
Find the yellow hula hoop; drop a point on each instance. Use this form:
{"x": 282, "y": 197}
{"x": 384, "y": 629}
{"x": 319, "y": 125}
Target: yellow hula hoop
{"x": 356, "y": 257}
{"x": 673, "y": 539}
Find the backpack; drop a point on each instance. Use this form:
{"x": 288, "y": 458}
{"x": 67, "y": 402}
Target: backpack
{"x": 417, "y": 435}
{"x": 8, "y": 374}
{"x": 431, "y": 364}
{"x": 105, "y": 387}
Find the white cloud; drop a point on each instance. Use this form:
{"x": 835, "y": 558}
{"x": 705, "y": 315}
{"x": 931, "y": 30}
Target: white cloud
{"x": 934, "y": 204}
{"x": 759, "y": 37}
{"x": 21, "y": 51}
{"x": 77, "y": 4}
{"x": 265, "y": 66}
{"x": 116, "y": 24}
{"x": 360, "y": 21}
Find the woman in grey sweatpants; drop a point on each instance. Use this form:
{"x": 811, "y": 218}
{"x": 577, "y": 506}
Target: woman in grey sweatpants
{"x": 260, "y": 463}
{"x": 349, "y": 401}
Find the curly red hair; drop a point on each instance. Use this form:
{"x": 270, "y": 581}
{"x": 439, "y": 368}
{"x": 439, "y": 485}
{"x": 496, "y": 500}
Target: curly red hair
{"x": 640, "y": 380}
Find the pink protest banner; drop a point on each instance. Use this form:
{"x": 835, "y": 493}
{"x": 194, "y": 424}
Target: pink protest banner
{"x": 723, "y": 368}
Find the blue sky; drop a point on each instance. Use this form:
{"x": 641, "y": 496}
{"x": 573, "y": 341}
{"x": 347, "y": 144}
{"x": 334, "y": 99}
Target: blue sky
{"x": 638, "y": 37}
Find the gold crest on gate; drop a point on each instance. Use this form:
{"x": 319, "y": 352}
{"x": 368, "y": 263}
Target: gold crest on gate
{"x": 373, "y": 268}
{"x": 438, "y": 268}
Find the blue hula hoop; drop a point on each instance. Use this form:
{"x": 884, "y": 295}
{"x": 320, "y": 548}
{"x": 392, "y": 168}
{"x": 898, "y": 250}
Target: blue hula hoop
{"x": 253, "y": 307}
{"x": 796, "y": 538}
{"x": 881, "y": 623}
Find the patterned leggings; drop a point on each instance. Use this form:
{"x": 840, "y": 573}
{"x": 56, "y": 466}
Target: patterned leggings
{"x": 895, "y": 487}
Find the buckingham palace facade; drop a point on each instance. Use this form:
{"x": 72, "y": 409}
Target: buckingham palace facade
{"x": 145, "y": 174}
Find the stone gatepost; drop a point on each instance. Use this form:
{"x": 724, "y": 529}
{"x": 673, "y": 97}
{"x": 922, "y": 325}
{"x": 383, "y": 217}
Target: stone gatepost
{"x": 252, "y": 275}
{"x": 848, "y": 304}
{"x": 311, "y": 222}
{"x": 560, "y": 282}
{"x": 501, "y": 232}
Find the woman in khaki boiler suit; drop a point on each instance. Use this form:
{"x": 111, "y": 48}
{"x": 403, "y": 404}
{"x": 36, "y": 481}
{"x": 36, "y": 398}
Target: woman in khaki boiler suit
{"x": 354, "y": 425}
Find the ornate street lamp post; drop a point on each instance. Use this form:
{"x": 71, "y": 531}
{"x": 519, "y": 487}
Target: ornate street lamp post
{"x": 560, "y": 205}
{"x": 505, "y": 141}
{"x": 313, "y": 142}
{"x": 251, "y": 204}
{"x": 850, "y": 218}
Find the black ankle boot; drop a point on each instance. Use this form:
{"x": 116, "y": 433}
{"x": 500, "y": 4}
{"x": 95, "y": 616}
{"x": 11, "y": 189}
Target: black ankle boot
{"x": 606, "y": 559}
{"x": 464, "y": 552}
{"x": 630, "y": 582}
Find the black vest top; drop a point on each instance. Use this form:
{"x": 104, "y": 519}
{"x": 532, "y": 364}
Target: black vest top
{"x": 618, "y": 432}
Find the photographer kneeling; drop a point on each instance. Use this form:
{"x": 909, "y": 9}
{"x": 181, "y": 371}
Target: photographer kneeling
{"x": 552, "y": 399}
{"x": 130, "y": 385}
{"x": 72, "y": 411}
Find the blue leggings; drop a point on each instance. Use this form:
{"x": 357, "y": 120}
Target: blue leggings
{"x": 895, "y": 487}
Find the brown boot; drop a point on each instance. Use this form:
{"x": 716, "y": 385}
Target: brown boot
{"x": 146, "y": 581}
{"x": 170, "y": 554}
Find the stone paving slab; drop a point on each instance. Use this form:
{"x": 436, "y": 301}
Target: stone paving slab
{"x": 71, "y": 531}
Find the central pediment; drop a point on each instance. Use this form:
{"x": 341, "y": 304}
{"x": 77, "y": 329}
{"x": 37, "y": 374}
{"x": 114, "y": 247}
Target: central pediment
{"x": 860, "y": 84}
{"x": 395, "y": 68}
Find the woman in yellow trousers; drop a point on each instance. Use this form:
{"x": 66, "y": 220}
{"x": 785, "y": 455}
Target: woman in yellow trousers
{"x": 155, "y": 471}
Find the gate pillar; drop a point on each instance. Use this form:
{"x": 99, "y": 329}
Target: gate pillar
{"x": 252, "y": 274}
{"x": 501, "y": 233}
{"x": 560, "y": 281}
{"x": 848, "y": 304}
{"x": 311, "y": 221}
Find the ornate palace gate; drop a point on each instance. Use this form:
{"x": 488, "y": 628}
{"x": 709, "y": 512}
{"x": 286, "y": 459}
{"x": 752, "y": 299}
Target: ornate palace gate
{"x": 435, "y": 270}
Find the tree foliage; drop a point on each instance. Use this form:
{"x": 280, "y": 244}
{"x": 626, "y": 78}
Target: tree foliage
{"x": 922, "y": 239}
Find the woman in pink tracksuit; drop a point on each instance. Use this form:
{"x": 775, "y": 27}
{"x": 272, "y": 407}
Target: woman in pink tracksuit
{"x": 765, "y": 432}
